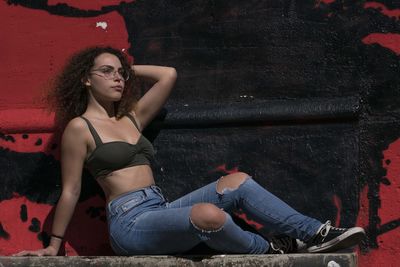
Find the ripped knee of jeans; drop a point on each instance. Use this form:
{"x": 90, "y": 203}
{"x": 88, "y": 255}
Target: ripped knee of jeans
{"x": 205, "y": 231}
{"x": 207, "y": 218}
{"x": 231, "y": 182}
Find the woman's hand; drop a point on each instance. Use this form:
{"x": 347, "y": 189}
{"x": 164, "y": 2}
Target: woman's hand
{"x": 49, "y": 251}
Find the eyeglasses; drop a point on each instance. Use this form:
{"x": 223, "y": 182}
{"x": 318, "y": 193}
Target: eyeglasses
{"x": 110, "y": 73}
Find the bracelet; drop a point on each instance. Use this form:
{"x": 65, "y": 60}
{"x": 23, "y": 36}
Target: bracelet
{"x": 57, "y": 236}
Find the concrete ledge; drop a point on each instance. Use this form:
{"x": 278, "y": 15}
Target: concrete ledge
{"x": 298, "y": 260}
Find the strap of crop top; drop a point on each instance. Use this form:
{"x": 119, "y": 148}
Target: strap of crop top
{"x": 133, "y": 120}
{"x": 95, "y": 135}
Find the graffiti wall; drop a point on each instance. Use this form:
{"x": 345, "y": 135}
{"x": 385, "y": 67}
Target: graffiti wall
{"x": 302, "y": 95}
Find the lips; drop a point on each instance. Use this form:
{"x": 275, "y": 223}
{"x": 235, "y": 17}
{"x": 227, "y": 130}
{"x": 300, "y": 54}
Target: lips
{"x": 118, "y": 88}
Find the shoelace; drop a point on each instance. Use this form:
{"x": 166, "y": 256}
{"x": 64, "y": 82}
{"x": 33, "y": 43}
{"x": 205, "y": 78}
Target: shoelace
{"x": 278, "y": 243}
{"x": 326, "y": 228}
{"x": 280, "y": 251}
{"x": 338, "y": 229}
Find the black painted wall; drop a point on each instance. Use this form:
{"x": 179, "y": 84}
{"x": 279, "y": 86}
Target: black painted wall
{"x": 284, "y": 90}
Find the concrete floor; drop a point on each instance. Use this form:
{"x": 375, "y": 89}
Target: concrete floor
{"x": 297, "y": 260}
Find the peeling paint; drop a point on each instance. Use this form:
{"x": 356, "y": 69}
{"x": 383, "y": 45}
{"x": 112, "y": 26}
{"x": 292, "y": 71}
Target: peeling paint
{"x": 102, "y": 24}
{"x": 390, "y": 41}
{"x": 391, "y": 13}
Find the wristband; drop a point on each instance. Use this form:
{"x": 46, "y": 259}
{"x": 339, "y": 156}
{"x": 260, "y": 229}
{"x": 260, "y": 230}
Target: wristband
{"x": 57, "y": 236}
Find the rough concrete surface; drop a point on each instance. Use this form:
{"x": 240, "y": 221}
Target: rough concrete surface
{"x": 298, "y": 260}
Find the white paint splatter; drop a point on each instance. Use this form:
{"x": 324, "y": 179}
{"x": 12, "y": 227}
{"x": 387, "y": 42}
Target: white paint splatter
{"x": 102, "y": 24}
{"x": 333, "y": 264}
{"x": 245, "y": 96}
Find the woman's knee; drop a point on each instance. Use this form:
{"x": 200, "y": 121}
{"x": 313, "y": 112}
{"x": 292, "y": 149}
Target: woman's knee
{"x": 231, "y": 181}
{"x": 206, "y": 216}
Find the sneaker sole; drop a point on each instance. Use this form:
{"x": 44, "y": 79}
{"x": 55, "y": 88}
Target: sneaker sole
{"x": 348, "y": 239}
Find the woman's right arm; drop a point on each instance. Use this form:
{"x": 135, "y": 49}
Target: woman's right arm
{"x": 73, "y": 153}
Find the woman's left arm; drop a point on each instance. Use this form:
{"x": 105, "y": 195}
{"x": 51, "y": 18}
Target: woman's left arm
{"x": 150, "y": 103}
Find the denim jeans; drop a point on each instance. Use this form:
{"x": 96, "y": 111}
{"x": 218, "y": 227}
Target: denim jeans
{"x": 143, "y": 222}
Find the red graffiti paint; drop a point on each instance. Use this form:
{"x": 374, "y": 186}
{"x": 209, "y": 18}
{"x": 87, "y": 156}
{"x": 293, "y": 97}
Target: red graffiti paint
{"x": 85, "y": 235}
{"x": 38, "y": 44}
{"x": 222, "y": 168}
{"x": 391, "y": 13}
{"x": 338, "y": 204}
{"x": 88, "y": 235}
{"x": 240, "y": 214}
{"x": 389, "y": 191}
{"x": 20, "y": 236}
{"x": 32, "y": 120}
{"x": 390, "y": 41}
{"x": 31, "y": 143}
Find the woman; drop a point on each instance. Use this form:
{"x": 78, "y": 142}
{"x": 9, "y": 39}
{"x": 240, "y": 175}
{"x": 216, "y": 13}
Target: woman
{"x": 95, "y": 95}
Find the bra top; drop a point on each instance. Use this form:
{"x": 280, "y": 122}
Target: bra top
{"x": 116, "y": 155}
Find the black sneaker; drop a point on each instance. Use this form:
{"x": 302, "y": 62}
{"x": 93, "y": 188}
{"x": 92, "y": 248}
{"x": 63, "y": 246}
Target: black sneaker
{"x": 329, "y": 238}
{"x": 282, "y": 245}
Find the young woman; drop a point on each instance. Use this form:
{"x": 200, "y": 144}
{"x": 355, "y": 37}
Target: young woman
{"x": 95, "y": 94}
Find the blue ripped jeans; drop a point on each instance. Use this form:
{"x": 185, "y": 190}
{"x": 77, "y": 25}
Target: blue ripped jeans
{"x": 143, "y": 222}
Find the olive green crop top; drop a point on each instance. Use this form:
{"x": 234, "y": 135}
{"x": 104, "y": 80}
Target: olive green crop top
{"x": 116, "y": 155}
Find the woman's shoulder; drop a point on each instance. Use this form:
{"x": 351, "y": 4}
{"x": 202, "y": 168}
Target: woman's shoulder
{"x": 76, "y": 126}
{"x": 75, "y": 138}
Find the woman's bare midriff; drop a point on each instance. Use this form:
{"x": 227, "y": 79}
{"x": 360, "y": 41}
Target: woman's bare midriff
{"x": 126, "y": 180}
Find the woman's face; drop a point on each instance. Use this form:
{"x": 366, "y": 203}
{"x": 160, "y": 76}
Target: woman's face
{"x": 106, "y": 79}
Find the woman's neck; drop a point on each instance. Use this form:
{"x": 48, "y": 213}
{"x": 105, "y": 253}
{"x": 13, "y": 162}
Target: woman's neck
{"x": 100, "y": 108}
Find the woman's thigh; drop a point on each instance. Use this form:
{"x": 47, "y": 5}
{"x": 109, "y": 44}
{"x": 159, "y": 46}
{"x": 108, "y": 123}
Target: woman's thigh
{"x": 205, "y": 194}
{"x": 161, "y": 231}
{"x": 225, "y": 199}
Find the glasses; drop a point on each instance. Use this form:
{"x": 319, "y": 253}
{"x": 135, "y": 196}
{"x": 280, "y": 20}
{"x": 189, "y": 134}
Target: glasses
{"x": 110, "y": 73}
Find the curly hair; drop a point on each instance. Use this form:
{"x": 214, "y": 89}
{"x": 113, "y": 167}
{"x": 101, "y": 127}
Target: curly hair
{"x": 69, "y": 95}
